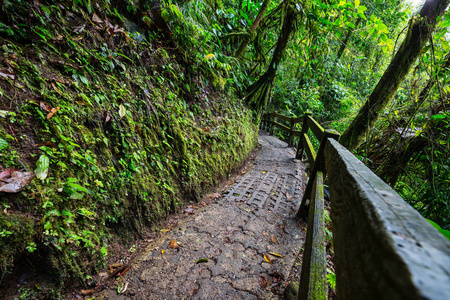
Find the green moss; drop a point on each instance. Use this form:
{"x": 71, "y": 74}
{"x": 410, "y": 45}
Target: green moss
{"x": 118, "y": 162}
{"x": 16, "y": 233}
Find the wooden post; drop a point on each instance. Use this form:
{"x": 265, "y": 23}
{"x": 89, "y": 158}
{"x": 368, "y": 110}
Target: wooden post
{"x": 291, "y": 136}
{"x": 304, "y": 130}
{"x": 319, "y": 165}
{"x": 313, "y": 280}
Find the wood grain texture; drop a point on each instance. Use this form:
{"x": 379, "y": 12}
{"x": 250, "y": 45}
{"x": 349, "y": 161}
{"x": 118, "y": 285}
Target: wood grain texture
{"x": 313, "y": 281}
{"x": 384, "y": 249}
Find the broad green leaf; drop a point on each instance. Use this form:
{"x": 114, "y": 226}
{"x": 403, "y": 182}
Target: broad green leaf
{"x": 444, "y": 232}
{"x": 3, "y": 144}
{"x": 42, "y": 167}
{"x": 357, "y": 3}
{"x": 84, "y": 79}
{"x": 438, "y": 117}
{"x": 122, "y": 111}
{"x": 362, "y": 9}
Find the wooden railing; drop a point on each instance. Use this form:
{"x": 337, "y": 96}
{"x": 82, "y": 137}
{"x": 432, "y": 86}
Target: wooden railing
{"x": 384, "y": 249}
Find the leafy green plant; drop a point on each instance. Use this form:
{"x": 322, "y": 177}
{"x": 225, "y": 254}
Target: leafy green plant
{"x": 444, "y": 232}
{"x": 42, "y": 167}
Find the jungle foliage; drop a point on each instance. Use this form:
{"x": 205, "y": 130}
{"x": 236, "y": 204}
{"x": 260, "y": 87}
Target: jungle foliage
{"x": 124, "y": 108}
{"x": 122, "y": 116}
{"x": 381, "y": 69}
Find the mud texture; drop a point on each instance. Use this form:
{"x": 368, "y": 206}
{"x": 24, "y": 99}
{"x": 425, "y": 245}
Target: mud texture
{"x": 222, "y": 246}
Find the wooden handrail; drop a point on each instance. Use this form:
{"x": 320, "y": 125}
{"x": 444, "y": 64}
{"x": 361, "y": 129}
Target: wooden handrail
{"x": 384, "y": 248}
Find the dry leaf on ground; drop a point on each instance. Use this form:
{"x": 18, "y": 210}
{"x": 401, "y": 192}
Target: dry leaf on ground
{"x": 274, "y": 239}
{"x": 267, "y": 258}
{"x": 52, "y": 112}
{"x": 45, "y": 106}
{"x": 87, "y": 292}
{"x": 275, "y": 254}
{"x": 174, "y": 244}
{"x": 12, "y": 181}
{"x": 54, "y": 87}
{"x": 7, "y": 73}
{"x": 96, "y": 19}
{"x": 262, "y": 281}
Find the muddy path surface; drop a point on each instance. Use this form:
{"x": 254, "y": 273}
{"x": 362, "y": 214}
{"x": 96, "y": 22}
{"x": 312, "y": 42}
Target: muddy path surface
{"x": 243, "y": 246}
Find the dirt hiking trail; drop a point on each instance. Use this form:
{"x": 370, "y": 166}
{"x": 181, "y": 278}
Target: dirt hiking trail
{"x": 242, "y": 246}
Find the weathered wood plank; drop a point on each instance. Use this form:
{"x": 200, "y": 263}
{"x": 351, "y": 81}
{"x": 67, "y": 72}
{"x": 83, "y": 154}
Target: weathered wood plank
{"x": 288, "y": 119}
{"x": 384, "y": 249}
{"x": 315, "y": 127}
{"x": 296, "y": 133}
{"x": 310, "y": 153}
{"x": 285, "y": 128}
{"x": 300, "y": 147}
{"x": 313, "y": 280}
{"x": 297, "y": 120}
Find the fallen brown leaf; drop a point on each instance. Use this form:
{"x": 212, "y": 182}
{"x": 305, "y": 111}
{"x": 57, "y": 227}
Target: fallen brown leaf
{"x": 52, "y": 112}
{"x": 277, "y": 275}
{"x": 289, "y": 197}
{"x": 96, "y": 19}
{"x": 216, "y": 196}
{"x": 54, "y": 87}
{"x": 6, "y": 173}
{"x": 114, "y": 266}
{"x": 174, "y": 244}
{"x": 274, "y": 239}
{"x": 108, "y": 116}
{"x": 88, "y": 292}
{"x": 45, "y": 106}
{"x": 262, "y": 281}
{"x": 264, "y": 233}
{"x": 7, "y": 72}
{"x": 13, "y": 181}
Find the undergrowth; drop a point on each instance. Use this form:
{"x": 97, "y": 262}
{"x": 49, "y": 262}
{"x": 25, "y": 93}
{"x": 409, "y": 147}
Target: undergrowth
{"x": 138, "y": 127}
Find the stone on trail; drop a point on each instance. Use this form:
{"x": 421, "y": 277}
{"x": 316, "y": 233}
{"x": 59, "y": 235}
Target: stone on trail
{"x": 225, "y": 243}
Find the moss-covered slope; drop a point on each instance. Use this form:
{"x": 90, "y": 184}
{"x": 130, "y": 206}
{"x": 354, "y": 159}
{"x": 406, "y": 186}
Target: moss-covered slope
{"x": 130, "y": 128}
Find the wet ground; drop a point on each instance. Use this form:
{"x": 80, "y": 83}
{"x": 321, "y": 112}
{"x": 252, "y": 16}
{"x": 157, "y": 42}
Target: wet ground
{"x": 243, "y": 246}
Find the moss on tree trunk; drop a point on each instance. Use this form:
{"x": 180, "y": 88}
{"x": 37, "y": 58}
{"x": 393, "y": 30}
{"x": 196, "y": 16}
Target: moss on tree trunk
{"x": 419, "y": 31}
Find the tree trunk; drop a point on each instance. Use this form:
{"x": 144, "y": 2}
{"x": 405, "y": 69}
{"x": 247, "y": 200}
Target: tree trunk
{"x": 258, "y": 93}
{"x": 247, "y": 40}
{"x": 419, "y": 31}
{"x": 344, "y": 43}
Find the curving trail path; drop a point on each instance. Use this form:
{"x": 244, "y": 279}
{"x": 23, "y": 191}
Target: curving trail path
{"x": 255, "y": 216}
